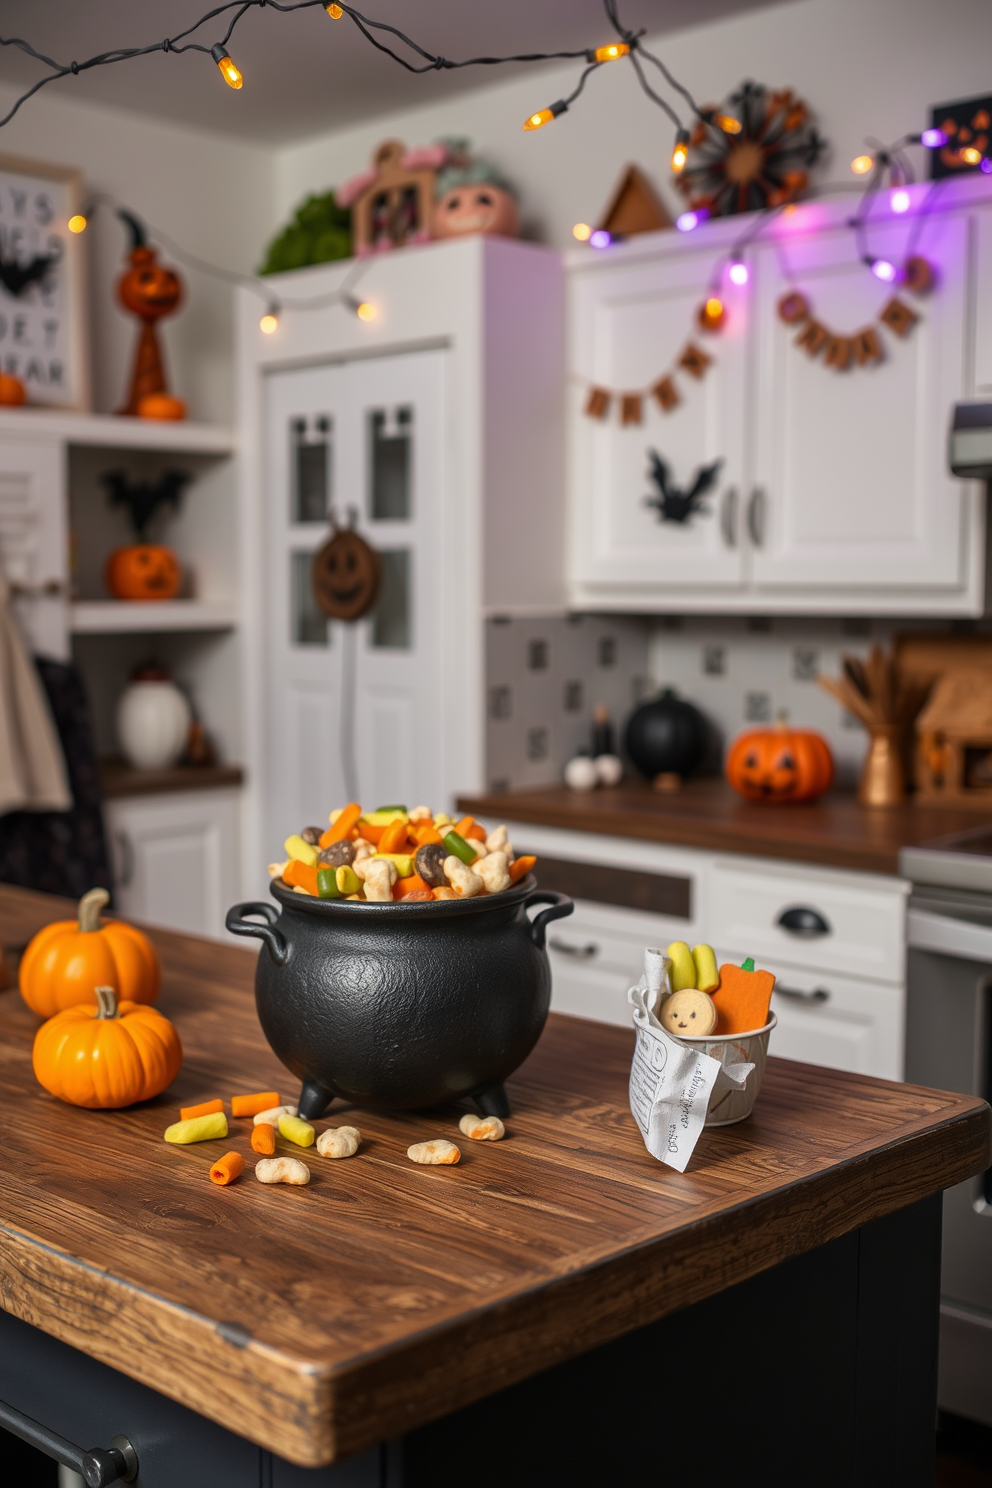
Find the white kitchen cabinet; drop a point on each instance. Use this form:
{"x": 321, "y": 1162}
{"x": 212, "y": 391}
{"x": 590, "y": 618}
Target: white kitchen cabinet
{"x": 34, "y": 544}
{"x": 835, "y": 496}
{"x": 176, "y": 858}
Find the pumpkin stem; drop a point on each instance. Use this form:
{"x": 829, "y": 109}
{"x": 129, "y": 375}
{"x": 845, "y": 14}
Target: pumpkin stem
{"x": 747, "y": 965}
{"x": 106, "y": 1001}
{"x": 782, "y": 718}
{"x": 89, "y": 909}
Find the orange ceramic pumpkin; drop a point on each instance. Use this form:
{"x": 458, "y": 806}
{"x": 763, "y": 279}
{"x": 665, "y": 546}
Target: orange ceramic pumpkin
{"x": 106, "y": 1054}
{"x": 780, "y": 764}
{"x": 66, "y": 960}
{"x": 143, "y": 571}
{"x": 161, "y": 406}
{"x": 12, "y": 392}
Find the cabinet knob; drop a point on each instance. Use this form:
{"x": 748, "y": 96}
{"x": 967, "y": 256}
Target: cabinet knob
{"x": 802, "y": 920}
{"x": 756, "y": 517}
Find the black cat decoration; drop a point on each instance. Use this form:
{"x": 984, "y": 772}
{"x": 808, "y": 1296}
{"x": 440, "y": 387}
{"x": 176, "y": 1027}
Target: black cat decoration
{"x": 673, "y": 505}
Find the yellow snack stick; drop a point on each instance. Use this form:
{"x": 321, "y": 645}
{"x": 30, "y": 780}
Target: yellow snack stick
{"x": 707, "y": 976}
{"x": 197, "y": 1129}
{"x": 347, "y": 881}
{"x": 295, "y": 847}
{"x": 403, "y": 861}
{"x": 295, "y": 1130}
{"x": 683, "y": 972}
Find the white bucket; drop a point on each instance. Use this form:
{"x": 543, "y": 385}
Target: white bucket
{"x": 740, "y": 1048}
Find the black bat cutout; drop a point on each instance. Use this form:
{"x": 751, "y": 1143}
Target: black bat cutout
{"x": 143, "y": 499}
{"x": 673, "y": 505}
{"x": 17, "y": 277}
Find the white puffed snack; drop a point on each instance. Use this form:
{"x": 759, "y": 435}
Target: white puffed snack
{"x": 482, "y": 1128}
{"x": 282, "y": 1170}
{"x": 433, "y": 1153}
{"x": 339, "y": 1141}
{"x": 271, "y": 1116}
{"x": 494, "y": 870}
{"x": 462, "y": 877}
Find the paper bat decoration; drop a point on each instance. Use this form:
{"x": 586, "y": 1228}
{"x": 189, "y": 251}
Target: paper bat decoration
{"x": 673, "y": 505}
{"x": 17, "y": 277}
{"x": 142, "y": 498}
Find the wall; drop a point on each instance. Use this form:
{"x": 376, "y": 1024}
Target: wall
{"x": 867, "y": 67}
{"x": 214, "y": 195}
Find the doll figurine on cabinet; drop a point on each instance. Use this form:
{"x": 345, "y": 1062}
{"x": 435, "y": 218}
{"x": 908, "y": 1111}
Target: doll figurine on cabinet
{"x": 150, "y": 291}
{"x": 474, "y": 198}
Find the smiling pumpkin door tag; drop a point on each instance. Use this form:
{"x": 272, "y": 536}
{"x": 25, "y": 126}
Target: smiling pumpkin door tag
{"x": 346, "y": 575}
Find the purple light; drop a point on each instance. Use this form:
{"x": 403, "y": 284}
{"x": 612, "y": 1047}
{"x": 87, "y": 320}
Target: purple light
{"x": 882, "y": 269}
{"x": 688, "y": 220}
{"x": 738, "y": 273}
{"x": 933, "y": 138}
{"x": 600, "y": 238}
{"x": 986, "y": 165}
{"x": 900, "y": 200}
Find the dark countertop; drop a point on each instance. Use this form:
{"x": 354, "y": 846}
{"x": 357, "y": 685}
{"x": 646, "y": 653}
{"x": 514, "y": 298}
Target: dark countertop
{"x": 834, "y": 832}
{"x": 317, "y": 1321}
{"x": 117, "y": 779}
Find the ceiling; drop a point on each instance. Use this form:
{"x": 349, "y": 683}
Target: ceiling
{"x": 304, "y": 73}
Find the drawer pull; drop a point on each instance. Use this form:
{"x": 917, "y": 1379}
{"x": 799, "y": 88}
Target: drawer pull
{"x": 817, "y": 994}
{"x": 579, "y": 953}
{"x": 804, "y": 921}
{"x": 98, "y": 1467}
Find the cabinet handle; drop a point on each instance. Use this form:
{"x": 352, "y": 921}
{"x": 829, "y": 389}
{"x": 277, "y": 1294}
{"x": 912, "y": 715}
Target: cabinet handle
{"x": 125, "y": 853}
{"x": 48, "y": 590}
{"x": 579, "y": 953}
{"x": 756, "y": 517}
{"x": 818, "y": 994}
{"x": 728, "y": 517}
{"x": 803, "y": 921}
{"x": 98, "y": 1467}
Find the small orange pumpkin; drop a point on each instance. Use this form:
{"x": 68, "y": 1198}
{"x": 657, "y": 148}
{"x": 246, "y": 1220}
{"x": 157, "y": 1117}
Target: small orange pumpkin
{"x": 106, "y": 1054}
{"x": 143, "y": 571}
{"x": 67, "y": 959}
{"x": 12, "y": 391}
{"x": 780, "y": 764}
{"x": 161, "y": 406}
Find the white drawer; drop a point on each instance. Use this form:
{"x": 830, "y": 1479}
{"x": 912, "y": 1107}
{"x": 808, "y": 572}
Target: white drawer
{"x": 597, "y": 953}
{"x": 856, "y": 1025}
{"x": 865, "y": 919}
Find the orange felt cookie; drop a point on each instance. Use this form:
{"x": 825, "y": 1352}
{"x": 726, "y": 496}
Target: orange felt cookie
{"x": 742, "y": 998}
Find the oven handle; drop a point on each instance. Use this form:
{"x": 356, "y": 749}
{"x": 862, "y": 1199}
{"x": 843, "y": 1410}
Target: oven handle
{"x": 950, "y": 937}
{"x": 98, "y": 1467}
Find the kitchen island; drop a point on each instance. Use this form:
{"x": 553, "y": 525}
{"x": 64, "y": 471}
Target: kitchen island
{"x": 559, "y": 1307}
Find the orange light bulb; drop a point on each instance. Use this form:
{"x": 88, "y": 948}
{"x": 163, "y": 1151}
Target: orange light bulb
{"x": 228, "y": 70}
{"x": 366, "y": 311}
{"x": 269, "y": 323}
{"x": 334, "y": 11}
{"x": 712, "y": 313}
{"x": 612, "y": 52}
{"x": 77, "y": 223}
{"x": 680, "y": 154}
{"x": 970, "y": 155}
{"x": 582, "y": 231}
{"x": 538, "y": 120}
{"x": 862, "y": 164}
{"x": 727, "y": 123}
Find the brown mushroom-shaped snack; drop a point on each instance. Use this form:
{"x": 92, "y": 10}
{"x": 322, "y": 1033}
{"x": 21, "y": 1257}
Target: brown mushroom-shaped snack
{"x": 429, "y": 863}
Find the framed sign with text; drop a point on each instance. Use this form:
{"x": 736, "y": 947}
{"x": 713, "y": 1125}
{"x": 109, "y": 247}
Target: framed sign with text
{"x": 42, "y": 285}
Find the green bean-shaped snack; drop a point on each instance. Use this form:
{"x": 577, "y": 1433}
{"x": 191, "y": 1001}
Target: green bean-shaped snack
{"x": 295, "y": 1130}
{"x": 459, "y": 848}
{"x": 327, "y": 883}
{"x": 197, "y": 1129}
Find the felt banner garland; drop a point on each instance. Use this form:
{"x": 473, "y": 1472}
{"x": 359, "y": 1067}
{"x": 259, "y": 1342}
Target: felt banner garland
{"x": 862, "y": 348}
{"x": 693, "y": 361}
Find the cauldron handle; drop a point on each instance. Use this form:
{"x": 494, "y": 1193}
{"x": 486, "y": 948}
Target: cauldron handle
{"x": 560, "y": 904}
{"x": 239, "y": 925}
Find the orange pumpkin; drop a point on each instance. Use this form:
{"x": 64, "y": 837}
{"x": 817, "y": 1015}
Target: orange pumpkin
{"x": 143, "y": 571}
{"x": 780, "y": 764}
{"x": 12, "y": 391}
{"x": 106, "y": 1054}
{"x": 148, "y": 288}
{"x": 161, "y": 406}
{"x": 66, "y": 960}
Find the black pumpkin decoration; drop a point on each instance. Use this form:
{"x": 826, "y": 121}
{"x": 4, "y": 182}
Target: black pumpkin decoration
{"x": 666, "y": 736}
{"x": 346, "y": 575}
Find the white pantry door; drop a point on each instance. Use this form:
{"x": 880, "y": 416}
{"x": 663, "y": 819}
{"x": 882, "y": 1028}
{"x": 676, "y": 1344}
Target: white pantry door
{"x": 851, "y": 487}
{"x": 361, "y": 440}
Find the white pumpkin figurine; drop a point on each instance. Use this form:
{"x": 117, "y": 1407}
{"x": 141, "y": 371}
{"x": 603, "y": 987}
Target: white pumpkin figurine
{"x": 153, "y": 719}
{"x": 580, "y": 774}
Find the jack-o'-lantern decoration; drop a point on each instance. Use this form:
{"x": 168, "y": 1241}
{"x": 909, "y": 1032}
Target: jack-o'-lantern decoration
{"x": 474, "y": 199}
{"x": 150, "y": 291}
{"x": 780, "y": 764}
{"x": 143, "y": 571}
{"x": 346, "y": 575}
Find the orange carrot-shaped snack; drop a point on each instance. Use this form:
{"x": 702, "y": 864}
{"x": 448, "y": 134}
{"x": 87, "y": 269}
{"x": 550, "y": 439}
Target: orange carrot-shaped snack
{"x": 393, "y": 839}
{"x": 743, "y": 998}
{"x": 227, "y": 1168}
{"x": 205, "y": 1108}
{"x": 252, "y": 1105}
{"x": 340, "y": 829}
{"x": 404, "y": 887}
{"x": 520, "y": 867}
{"x": 263, "y": 1139}
{"x": 424, "y": 832}
{"x": 464, "y": 826}
{"x": 300, "y": 874}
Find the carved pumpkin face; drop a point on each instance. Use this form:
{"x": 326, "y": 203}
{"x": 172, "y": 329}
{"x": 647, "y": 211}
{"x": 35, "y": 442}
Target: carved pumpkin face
{"x": 479, "y": 208}
{"x": 144, "y": 571}
{"x": 346, "y": 576}
{"x": 780, "y": 764}
{"x": 148, "y": 288}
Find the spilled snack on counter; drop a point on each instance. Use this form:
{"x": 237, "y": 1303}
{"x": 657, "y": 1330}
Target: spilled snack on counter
{"x": 391, "y": 855}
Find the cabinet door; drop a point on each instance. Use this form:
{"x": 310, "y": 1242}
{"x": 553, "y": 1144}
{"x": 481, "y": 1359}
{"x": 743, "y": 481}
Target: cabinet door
{"x": 176, "y": 859}
{"x": 983, "y": 303}
{"x": 851, "y": 487}
{"x": 629, "y": 324}
{"x": 33, "y": 543}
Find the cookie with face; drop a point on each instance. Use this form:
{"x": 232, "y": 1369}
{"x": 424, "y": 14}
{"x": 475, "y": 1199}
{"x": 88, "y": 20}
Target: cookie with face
{"x": 688, "y": 1014}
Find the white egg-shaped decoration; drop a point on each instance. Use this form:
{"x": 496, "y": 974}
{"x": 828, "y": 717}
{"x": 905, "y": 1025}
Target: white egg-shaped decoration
{"x": 153, "y": 720}
{"x": 609, "y": 769}
{"x": 581, "y": 774}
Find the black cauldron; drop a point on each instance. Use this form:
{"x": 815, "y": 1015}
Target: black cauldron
{"x": 402, "y": 1005}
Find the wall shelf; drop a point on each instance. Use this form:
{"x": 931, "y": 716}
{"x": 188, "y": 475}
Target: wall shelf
{"x": 110, "y": 431}
{"x": 136, "y": 617}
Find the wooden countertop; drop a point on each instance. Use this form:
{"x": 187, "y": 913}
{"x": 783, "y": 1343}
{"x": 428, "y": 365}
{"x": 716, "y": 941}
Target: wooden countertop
{"x": 316, "y": 1321}
{"x": 118, "y": 779}
{"x": 834, "y": 832}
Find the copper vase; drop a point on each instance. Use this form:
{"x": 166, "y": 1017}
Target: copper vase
{"x": 883, "y": 779}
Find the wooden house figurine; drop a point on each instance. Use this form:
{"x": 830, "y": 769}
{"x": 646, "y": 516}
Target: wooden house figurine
{"x": 392, "y": 203}
{"x": 954, "y": 740}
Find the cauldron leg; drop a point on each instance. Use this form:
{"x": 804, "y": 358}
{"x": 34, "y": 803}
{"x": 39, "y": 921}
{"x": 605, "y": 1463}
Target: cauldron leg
{"x": 314, "y": 1100}
{"x": 493, "y": 1100}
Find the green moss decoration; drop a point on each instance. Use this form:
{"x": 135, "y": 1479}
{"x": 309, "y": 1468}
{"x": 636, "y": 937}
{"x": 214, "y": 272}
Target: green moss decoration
{"x": 319, "y": 233}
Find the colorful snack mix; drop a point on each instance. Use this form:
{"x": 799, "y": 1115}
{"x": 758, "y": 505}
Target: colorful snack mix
{"x": 339, "y": 1141}
{"x": 251, "y": 1105}
{"x": 263, "y": 1138}
{"x": 205, "y": 1108}
{"x": 227, "y": 1168}
{"x": 482, "y": 1128}
{"x": 300, "y": 851}
{"x": 434, "y": 1153}
{"x": 199, "y": 1129}
{"x": 271, "y": 1117}
{"x": 282, "y": 1170}
{"x": 295, "y": 1130}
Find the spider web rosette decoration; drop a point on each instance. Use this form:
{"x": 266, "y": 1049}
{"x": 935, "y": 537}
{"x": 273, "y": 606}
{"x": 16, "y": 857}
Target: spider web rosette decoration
{"x": 764, "y": 163}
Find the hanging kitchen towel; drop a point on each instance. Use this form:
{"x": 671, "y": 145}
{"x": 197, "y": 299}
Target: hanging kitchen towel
{"x": 32, "y": 766}
{"x": 670, "y": 1084}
